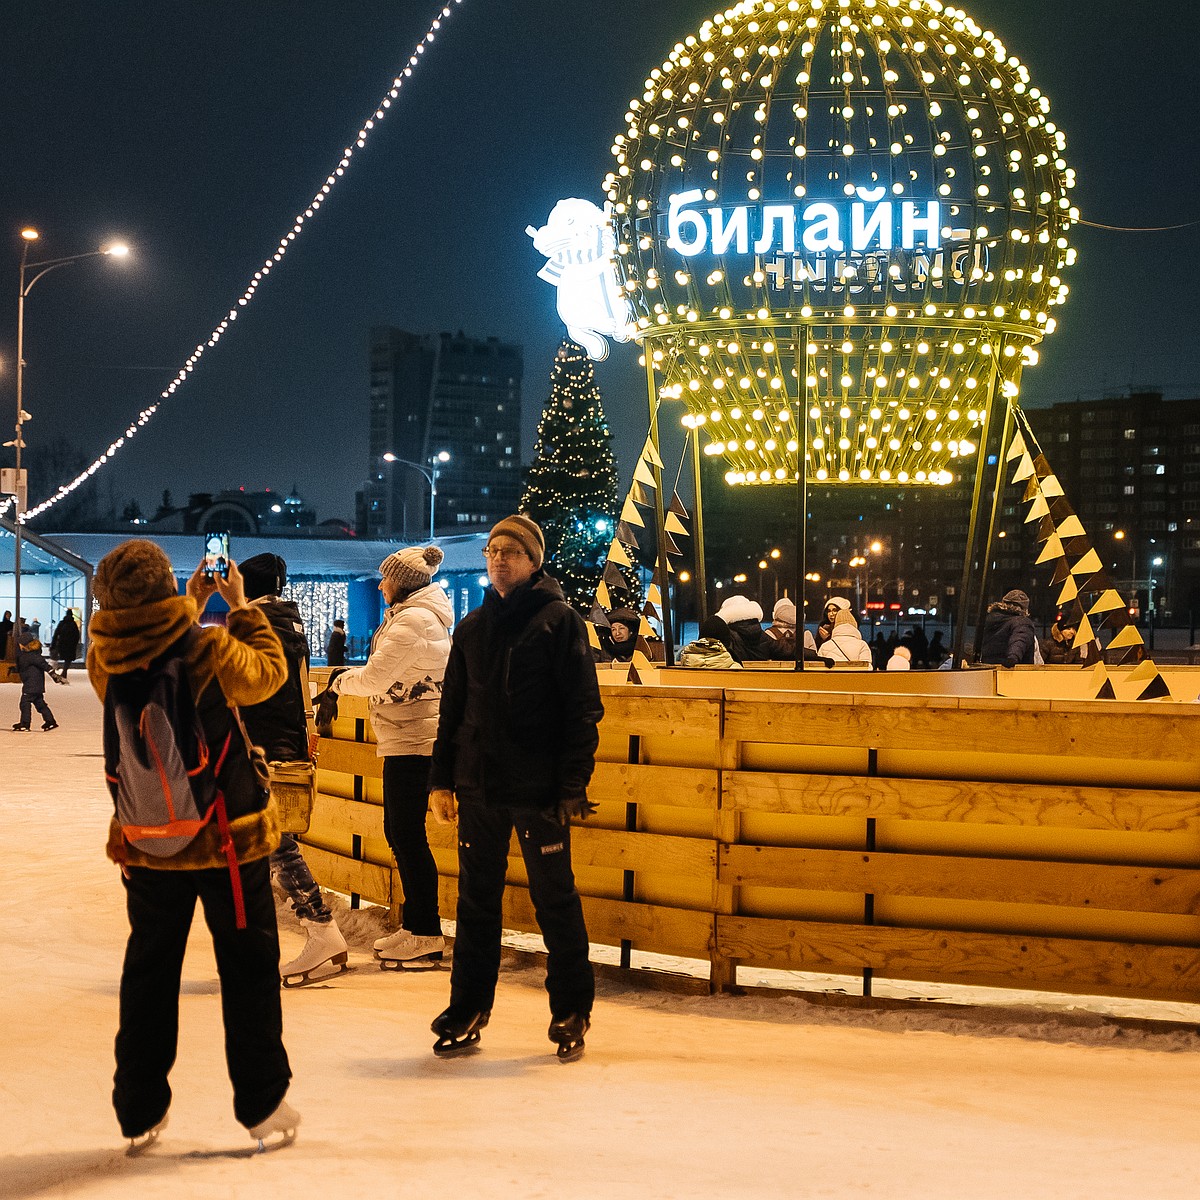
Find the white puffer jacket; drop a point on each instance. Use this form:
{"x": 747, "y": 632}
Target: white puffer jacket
{"x": 403, "y": 673}
{"x": 846, "y": 645}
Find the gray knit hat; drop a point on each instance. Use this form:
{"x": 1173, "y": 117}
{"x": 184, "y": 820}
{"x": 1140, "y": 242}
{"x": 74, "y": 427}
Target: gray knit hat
{"x": 411, "y": 568}
{"x": 1018, "y": 598}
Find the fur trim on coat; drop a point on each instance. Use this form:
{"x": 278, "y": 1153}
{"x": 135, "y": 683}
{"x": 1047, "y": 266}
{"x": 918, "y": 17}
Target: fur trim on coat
{"x": 255, "y": 836}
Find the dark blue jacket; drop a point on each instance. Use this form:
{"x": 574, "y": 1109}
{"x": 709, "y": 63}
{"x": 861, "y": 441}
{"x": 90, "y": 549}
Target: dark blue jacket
{"x": 33, "y": 669}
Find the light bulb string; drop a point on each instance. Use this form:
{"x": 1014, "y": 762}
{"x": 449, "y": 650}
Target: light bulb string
{"x": 1137, "y": 228}
{"x": 359, "y": 142}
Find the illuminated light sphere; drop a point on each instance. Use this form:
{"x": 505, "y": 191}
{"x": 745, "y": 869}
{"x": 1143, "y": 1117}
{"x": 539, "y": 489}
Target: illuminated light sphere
{"x": 868, "y": 203}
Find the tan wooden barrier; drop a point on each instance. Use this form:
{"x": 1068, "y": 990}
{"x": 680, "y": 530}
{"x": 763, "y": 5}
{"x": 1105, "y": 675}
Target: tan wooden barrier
{"x": 945, "y": 838}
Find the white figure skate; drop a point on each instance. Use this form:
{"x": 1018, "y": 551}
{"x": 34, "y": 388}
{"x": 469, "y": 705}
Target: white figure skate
{"x": 283, "y": 1121}
{"x": 409, "y": 951}
{"x": 325, "y": 948}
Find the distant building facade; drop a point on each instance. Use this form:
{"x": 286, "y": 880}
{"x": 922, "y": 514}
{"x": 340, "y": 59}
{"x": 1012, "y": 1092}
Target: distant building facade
{"x": 434, "y": 394}
{"x": 238, "y": 512}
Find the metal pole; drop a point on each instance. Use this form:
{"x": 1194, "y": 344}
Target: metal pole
{"x": 997, "y": 495}
{"x": 660, "y": 529}
{"x": 698, "y": 529}
{"x": 432, "y": 499}
{"x": 801, "y": 490}
{"x": 20, "y": 499}
{"x": 963, "y": 598}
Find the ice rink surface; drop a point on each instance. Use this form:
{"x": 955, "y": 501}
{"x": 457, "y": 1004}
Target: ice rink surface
{"x": 677, "y": 1096}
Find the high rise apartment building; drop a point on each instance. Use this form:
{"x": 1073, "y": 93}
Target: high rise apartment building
{"x": 434, "y": 395}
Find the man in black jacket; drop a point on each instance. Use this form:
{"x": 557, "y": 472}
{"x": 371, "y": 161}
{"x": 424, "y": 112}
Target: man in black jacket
{"x": 1007, "y": 637}
{"x": 279, "y": 725}
{"x": 515, "y": 748}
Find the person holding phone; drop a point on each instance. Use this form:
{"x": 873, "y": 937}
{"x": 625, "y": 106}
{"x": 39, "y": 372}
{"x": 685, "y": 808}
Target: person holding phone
{"x": 216, "y": 554}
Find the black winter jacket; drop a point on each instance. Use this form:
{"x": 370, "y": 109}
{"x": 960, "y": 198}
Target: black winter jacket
{"x": 1006, "y": 637}
{"x": 520, "y": 702}
{"x": 33, "y": 668}
{"x": 278, "y": 725}
{"x": 64, "y": 645}
{"x": 752, "y": 643}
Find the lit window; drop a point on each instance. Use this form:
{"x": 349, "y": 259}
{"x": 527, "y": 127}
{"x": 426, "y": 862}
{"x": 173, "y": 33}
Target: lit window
{"x": 1129, "y": 489}
{"x": 1130, "y": 434}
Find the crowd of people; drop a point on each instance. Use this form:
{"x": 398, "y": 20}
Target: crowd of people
{"x": 491, "y": 724}
{"x": 493, "y": 728}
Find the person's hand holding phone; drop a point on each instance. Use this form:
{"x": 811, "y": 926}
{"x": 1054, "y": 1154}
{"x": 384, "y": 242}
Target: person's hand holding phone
{"x": 233, "y": 588}
{"x": 201, "y": 586}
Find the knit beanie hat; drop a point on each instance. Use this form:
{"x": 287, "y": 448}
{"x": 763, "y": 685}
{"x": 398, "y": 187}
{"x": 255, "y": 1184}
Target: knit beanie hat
{"x": 626, "y": 617}
{"x": 137, "y": 572}
{"x": 784, "y": 612}
{"x": 845, "y": 617}
{"x": 263, "y": 575}
{"x": 411, "y": 568}
{"x": 525, "y": 531}
{"x": 1017, "y": 598}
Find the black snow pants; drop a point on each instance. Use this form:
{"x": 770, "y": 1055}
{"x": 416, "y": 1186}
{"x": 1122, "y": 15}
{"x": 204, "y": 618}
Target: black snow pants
{"x": 160, "y": 906}
{"x": 483, "y": 838}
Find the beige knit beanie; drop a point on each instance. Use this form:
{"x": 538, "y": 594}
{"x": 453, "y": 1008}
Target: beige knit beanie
{"x": 527, "y": 532}
{"x": 411, "y": 568}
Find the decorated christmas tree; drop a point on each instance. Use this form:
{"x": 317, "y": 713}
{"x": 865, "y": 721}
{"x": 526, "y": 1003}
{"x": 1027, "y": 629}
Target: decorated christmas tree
{"x": 571, "y": 489}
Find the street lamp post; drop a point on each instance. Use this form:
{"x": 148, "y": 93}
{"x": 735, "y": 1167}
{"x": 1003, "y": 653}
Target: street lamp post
{"x": 42, "y": 267}
{"x": 430, "y": 473}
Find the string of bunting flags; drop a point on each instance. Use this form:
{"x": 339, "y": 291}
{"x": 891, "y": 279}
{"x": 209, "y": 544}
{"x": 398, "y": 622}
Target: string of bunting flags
{"x": 1087, "y": 590}
{"x": 642, "y": 494}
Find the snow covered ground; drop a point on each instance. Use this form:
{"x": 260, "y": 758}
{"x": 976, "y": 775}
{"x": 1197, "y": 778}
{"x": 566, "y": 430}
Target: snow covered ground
{"x": 677, "y": 1095}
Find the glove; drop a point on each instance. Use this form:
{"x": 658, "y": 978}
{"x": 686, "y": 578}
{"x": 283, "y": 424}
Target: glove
{"x": 579, "y": 807}
{"x": 326, "y": 708}
{"x": 334, "y": 674}
{"x": 57, "y": 678}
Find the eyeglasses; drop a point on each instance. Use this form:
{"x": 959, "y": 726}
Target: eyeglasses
{"x": 501, "y": 553}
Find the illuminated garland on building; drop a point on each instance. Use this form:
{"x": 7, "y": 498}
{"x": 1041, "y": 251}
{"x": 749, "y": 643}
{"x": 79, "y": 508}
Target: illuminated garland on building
{"x": 842, "y": 228}
{"x": 360, "y": 141}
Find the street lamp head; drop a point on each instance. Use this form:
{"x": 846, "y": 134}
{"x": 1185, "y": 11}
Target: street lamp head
{"x": 1119, "y": 535}
{"x": 762, "y": 564}
{"x": 775, "y": 553}
{"x": 442, "y": 456}
{"x": 876, "y": 547}
{"x": 30, "y": 235}
{"x": 390, "y": 457}
{"x": 115, "y": 249}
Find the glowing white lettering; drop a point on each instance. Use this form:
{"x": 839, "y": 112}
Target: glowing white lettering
{"x": 825, "y": 229}
{"x": 930, "y": 223}
{"x": 879, "y": 225}
{"x": 678, "y": 216}
{"x": 783, "y": 216}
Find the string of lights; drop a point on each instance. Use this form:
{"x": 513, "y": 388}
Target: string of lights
{"x": 272, "y": 261}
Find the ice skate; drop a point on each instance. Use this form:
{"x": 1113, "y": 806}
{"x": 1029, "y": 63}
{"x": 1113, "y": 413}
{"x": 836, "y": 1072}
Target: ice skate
{"x": 143, "y": 1142}
{"x": 19, "y": 728}
{"x": 567, "y": 1031}
{"x": 49, "y": 725}
{"x": 324, "y": 955}
{"x": 409, "y": 951}
{"x": 283, "y": 1121}
{"x": 458, "y": 1030}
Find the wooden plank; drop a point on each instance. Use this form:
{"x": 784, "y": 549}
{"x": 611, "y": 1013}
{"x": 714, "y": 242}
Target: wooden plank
{"x": 351, "y": 758}
{"x": 348, "y": 875}
{"x": 996, "y": 725}
{"x": 1016, "y": 881}
{"x": 652, "y": 852}
{"x": 348, "y": 816}
{"x": 660, "y": 711}
{"x": 635, "y": 783}
{"x": 1149, "y": 810}
{"x": 982, "y": 959}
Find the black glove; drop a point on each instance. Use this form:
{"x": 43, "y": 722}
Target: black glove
{"x": 578, "y": 806}
{"x": 333, "y": 675}
{"x": 326, "y": 708}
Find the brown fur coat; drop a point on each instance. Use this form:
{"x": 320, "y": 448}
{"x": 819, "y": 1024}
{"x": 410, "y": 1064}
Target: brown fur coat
{"x": 245, "y": 659}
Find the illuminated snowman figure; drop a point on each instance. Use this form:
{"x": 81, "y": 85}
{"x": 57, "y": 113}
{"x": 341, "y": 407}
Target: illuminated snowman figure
{"x": 579, "y": 242}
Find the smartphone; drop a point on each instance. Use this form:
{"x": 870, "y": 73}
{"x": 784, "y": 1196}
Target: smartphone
{"x": 216, "y": 554}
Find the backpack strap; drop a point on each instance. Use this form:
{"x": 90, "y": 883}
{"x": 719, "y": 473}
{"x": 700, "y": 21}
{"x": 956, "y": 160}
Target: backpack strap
{"x": 227, "y": 848}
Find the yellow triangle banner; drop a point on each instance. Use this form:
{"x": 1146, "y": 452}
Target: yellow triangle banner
{"x": 593, "y": 639}
{"x": 1070, "y": 591}
{"x": 646, "y": 629}
{"x": 1128, "y": 636}
{"x": 1038, "y": 509}
{"x": 654, "y": 596}
{"x": 1083, "y": 635}
{"x": 1016, "y": 447}
{"x": 602, "y": 596}
{"x": 649, "y": 453}
{"x": 1053, "y": 549}
{"x": 1109, "y": 601}
{"x": 1024, "y": 469}
{"x": 1072, "y": 526}
{"x": 1051, "y": 487}
{"x": 641, "y": 662}
{"x": 1089, "y": 564}
{"x": 1102, "y": 684}
{"x": 629, "y": 512}
{"x": 616, "y": 553}
{"x": 1145, "y": 670}
{"x": 674, "y": 525}
{"x": 642, "y": 474}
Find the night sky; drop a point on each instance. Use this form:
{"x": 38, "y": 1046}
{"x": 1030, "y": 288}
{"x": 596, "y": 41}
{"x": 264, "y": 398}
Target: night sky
{"x": 198, "y": 131}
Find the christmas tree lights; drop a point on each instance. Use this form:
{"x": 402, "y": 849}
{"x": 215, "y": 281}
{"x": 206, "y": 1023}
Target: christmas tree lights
{"x": 571, "y": 489}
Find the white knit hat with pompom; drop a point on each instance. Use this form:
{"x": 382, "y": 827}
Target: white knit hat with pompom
{"x": 412, "y": 567}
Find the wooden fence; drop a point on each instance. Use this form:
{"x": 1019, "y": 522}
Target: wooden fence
{"x": 960, "y": 837}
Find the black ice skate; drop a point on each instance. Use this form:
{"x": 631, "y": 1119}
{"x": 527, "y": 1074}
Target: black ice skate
{"x": 567, "y": 1031}
{"x": 458, "y": 1030}
{"x": 140, "y": 1144}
